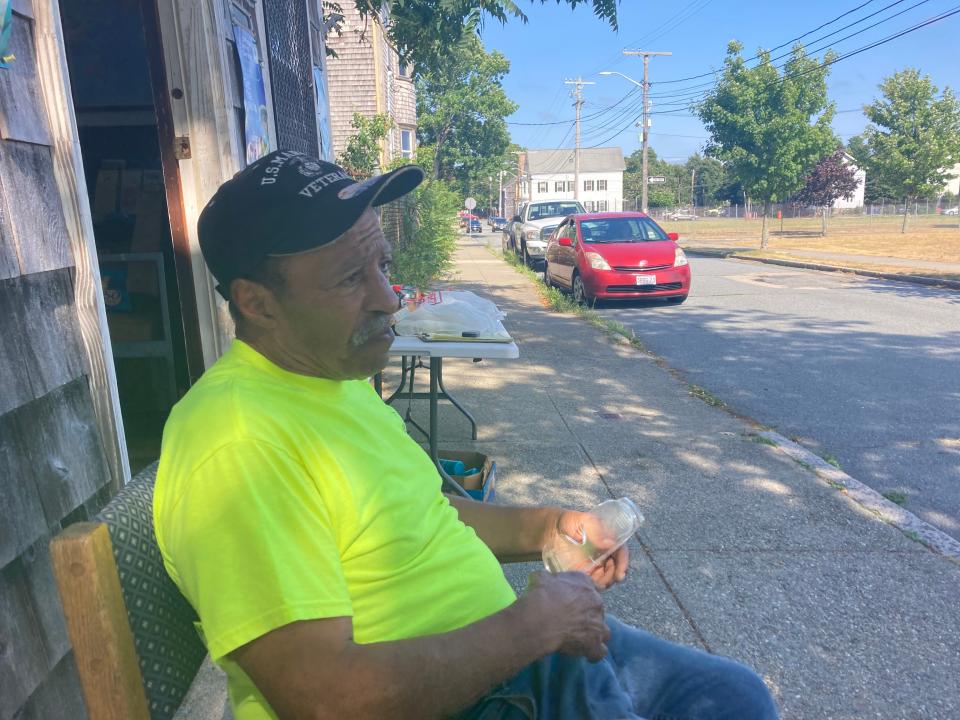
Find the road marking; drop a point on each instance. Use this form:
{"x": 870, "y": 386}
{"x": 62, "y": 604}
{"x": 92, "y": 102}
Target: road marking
{"x": 764, "y": 281}
{"x": 757, "y": 280}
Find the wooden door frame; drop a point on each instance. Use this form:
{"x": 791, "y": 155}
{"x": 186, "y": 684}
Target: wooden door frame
{"x": 196, "y": 63}
{"x": 171, "y": 150}
{"x": 195, "y": 60}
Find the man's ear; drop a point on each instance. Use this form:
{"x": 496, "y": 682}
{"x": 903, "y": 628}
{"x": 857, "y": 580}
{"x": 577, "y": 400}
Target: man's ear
{"x": 256, "y": 303}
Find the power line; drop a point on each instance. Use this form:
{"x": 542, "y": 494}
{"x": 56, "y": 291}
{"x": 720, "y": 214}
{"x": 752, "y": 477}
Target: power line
{"x": 687, "y": 11}
{"x": 839, "y": 58}
{"x": 788, "y": 42}
{"x": 679, "y": 19}
{"x": 691, "y": 97}
{"x": 585, "y": 117}
{"x": 686, "y": 96}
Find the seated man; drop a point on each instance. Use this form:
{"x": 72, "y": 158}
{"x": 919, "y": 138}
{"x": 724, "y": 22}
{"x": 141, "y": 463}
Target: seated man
{"x": 332, "y": 577}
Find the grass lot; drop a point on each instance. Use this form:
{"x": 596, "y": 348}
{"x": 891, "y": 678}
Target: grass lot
{"x": 931, "y": 238}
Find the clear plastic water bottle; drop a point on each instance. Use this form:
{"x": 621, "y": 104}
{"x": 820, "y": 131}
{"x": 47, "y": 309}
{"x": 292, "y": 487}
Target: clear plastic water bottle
{"x": 612, "y": 524}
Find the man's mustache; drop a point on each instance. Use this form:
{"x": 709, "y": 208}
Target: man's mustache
{"x": 375, "y": 326}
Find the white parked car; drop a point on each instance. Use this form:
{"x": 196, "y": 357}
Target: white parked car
{"x": 530, "y": 230}
{"x": 952, "y": 211}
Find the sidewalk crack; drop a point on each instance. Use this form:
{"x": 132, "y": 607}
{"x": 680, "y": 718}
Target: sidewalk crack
{"x": 646, "y": 549}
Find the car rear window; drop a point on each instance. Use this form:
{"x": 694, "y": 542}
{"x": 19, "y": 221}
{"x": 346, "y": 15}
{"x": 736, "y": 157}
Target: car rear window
{"x": 545, "y": 210}
{"x": 621, "y": 230}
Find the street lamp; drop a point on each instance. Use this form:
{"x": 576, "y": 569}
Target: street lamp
{"x": 643, "y": 133}
{"x": 625, "y": 77}
{"x": 645, "y": 87}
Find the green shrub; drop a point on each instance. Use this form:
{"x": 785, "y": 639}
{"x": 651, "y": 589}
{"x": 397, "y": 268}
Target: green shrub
{"x": 422, "y": 227}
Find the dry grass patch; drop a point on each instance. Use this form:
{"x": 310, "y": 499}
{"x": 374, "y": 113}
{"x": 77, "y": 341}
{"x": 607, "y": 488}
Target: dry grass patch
{"x": 934, "y": 238}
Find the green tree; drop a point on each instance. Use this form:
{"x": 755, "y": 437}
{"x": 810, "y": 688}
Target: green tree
{"x": 658, "y": 194}
{"x": 709, "y": 177}
{"x": 913, "y": 138}
{"x": 424, "y": 31}
{"x": 461, "y": 108}
{"x": 361, "y": 157}
{"x": 769, "y": 129}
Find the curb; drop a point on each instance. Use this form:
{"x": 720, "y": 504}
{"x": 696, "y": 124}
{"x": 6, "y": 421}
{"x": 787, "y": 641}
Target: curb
{"x": 888, "y": 511}
{"x": 891, "y": 513}
{"x": 916, "y": 279}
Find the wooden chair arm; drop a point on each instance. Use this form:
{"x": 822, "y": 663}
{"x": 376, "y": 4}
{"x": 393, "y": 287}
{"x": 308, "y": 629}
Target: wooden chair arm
{"x": 97, "y": 623}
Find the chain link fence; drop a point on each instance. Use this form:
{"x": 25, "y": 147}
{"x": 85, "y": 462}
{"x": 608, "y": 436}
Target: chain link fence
{"x": 788, "y": 210}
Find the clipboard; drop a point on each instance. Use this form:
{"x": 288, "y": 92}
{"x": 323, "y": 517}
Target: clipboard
{"x": 450, "y": 337}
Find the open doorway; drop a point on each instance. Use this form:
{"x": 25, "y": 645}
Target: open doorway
{"x": 117, "y": 127}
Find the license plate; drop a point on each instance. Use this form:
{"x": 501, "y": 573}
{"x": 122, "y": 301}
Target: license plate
{"x": 646, "y": 279}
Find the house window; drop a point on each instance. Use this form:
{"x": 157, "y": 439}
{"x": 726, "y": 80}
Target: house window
{"x": 588, "y": 185}
{"x": 601, "y": 204}
{"x": 559, "y": 185}
{"x": 403, "y": 70}
{"x": 543, "y": 187}
{"x": 601, "y": 184}
{"x": 588, "y": 205}
{"x": 406, "y": 143}
{"x": 571, "y": 186}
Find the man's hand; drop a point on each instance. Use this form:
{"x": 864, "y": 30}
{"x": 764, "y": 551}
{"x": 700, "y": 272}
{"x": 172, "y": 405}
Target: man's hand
{"x": 570, "y": 606}
{"x": 614, "y": 569}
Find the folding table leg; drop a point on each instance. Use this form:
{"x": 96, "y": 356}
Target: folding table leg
{"x": 436, "y": 369}
{"x": 408, "y": 417}
{"x": 446, "y": 395}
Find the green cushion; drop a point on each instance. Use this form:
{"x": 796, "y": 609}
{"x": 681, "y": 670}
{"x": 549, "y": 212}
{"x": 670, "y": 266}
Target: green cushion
{"x": 162, "y": 621}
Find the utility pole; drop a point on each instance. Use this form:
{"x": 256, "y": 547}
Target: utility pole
{"x": 693, "y": 198}
{"x": 577, "y": 103}
{"x": 646, "y": 110}
{"x": 519, "y": 180}
{"x": 500, "y": 196}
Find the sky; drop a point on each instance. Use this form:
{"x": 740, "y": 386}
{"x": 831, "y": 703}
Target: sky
{"x": 559, "y": 44}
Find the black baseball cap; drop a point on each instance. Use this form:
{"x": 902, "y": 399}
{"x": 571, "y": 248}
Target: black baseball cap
{"x": 286, "y": 203}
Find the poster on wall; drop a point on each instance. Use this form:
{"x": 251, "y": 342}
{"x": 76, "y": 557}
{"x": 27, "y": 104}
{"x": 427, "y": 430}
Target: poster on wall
{"x": 6, "y": 25}
{"x": 256, "y": 123}
{"x": 323, "y": 115}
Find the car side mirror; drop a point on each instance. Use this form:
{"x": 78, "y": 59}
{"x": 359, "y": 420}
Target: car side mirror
{"x": 565, "y": 242}
{"x": 673, "y": 236}
{"x": 516, "y": 218}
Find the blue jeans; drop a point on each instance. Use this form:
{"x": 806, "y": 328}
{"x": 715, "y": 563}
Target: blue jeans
{"x": 642, "y": 678}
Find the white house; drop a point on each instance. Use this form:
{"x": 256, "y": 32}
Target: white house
{"x": 953, "y": 184}
{"x": 549, "y": 175}
{"x": 856, "y": 201}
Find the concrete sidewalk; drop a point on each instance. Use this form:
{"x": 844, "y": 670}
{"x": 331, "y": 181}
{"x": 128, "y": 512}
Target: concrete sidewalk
{"x": 744, "y": 553}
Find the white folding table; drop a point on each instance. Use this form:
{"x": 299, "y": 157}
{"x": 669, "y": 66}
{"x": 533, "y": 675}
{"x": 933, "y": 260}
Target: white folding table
{"x": 412, "y": 349}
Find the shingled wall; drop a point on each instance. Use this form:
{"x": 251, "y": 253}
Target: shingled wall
{"x": 364, "y": 78}
{"x": 54, "y": 465}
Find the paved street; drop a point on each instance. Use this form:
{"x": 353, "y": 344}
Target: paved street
{"x": 861, "y": 370}
{"x": 744, "y": 552}
{"x": 866, "y": 371}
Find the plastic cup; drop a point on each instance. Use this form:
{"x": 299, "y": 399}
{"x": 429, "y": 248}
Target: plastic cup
{"x": 613, "y": 522}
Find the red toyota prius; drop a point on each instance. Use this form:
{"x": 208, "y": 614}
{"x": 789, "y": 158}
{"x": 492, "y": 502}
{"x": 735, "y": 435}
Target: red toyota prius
{"x": 616, "y": 255}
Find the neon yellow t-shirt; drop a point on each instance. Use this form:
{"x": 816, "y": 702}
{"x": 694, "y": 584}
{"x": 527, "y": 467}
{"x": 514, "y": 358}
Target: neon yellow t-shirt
{"x": 282, "y": 497}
